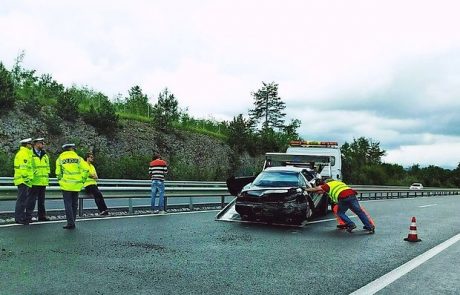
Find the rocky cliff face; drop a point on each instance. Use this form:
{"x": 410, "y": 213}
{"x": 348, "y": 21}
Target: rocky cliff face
{"x": 133, "y": 139}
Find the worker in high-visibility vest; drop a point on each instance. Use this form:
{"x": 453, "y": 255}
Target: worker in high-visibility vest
{"x": 41, "y": 164}
{"x": 345, "y": 197}
{"x": 23, "y": 174}
{"x": 340, "y": 223}
{"x": 71, "y": 173}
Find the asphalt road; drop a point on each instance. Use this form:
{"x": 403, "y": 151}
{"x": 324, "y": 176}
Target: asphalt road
{"x": 190, "y": 253}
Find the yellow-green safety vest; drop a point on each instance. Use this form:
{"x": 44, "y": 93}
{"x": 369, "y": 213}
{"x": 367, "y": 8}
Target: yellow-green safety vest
{"x": 23, "y": 170}
{"x": 335, "y": 188}
{"x": 41, "y": 169}
{"x": 71, "y": 172}
{"x": 92, "y": 170}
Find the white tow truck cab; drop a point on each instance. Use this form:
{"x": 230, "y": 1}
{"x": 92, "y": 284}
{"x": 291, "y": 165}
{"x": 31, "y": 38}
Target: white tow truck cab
{"x": 323, "y": 157}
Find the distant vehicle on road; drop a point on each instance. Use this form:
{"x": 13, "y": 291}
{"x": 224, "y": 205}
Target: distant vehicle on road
{"x": 416, "y": 185}
{"x": 278, "y": 194}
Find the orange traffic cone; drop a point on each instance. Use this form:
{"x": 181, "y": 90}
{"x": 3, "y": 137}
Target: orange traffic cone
{"x": 412, "y": 237}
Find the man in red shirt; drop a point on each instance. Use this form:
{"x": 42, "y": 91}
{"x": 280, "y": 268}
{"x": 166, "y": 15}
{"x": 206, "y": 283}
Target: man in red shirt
{"x": 158, "y": 168}
{"x": 345, "y": 197}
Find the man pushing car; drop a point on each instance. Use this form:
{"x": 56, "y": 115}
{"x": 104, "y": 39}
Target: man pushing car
{"x": 345, "y": 197}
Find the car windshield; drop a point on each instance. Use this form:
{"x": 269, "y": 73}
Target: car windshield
{"x": 277, "y": 179}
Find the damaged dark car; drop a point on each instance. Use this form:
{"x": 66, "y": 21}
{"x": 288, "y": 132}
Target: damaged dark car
{"x": 278, "y": 195}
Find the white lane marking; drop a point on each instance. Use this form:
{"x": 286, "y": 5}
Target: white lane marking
{"x": 108, "y": 217}
{"x": 430, "y": 205}
{"x": 385, "y": 280}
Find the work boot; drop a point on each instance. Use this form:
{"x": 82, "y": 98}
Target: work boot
{"x": 370, "y": 229}
{"x": 351, "y": 227}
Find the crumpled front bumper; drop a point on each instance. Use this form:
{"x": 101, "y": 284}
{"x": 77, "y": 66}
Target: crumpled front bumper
{"x": 271, "y": 210}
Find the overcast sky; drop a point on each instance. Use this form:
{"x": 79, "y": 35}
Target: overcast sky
{"x": 386, "y": 70}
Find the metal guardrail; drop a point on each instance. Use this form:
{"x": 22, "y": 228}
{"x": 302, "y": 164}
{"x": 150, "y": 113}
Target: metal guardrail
{"x": 367, "y": 193}
{"x": 132, "y": 189}
{"x": 133, "y": 182}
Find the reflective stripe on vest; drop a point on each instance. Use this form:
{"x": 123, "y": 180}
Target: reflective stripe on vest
{"x": 70, "y": 171}
{"x": 335, "y": 188}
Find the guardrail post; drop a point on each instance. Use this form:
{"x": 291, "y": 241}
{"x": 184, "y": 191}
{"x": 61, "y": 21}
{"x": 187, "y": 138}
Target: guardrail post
{"x": 130, "y": 206}
{"x": 190, "y": 204}
{"x": 80, "y": 207}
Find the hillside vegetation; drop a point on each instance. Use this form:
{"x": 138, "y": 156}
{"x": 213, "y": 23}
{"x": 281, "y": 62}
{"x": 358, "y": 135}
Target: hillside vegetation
{"x": 124, "y": 132}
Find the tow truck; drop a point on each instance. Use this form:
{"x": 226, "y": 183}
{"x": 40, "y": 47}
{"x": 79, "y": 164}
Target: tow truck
{"x": 318, "y": 160}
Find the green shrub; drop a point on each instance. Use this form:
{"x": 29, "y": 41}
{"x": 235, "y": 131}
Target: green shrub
{"x": 67, "y": 107}
{"x": 6, "y": 168}
{"x": 103, "y": 118}
{"x": 7, "y": 94}
{"x": 32, "y": 106}
{"x": 52, "y": 121}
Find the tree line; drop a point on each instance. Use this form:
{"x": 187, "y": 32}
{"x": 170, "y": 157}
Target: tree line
{"x": 362, "y": 164}
{"x": 263, "y": 129}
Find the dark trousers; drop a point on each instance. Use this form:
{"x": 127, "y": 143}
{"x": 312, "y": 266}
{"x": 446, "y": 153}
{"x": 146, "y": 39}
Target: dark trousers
{"x": 71, "y": 206}
{"x": 98, "y": 198}
{"x": 36, "y": 193}
{"x": 21, "y": 203}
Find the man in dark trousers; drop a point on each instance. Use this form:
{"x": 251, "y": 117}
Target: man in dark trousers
{"x": 91, "y": 185}
{"x": 71, "y": 173}
{"x": 23, "y": 174}
{"x": 345, "y": 197}
{"x": 41, "y": 165}
{"x": 158, "y": 168}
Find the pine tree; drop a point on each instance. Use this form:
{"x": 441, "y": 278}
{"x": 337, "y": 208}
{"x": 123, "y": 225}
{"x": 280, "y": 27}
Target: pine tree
{"x": 165, "y": 111}
{"x": 268, "y": 107}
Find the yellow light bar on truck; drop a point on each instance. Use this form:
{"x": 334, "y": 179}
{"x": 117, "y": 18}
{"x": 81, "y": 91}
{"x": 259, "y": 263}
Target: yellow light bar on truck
{"x": 306, "y": 143}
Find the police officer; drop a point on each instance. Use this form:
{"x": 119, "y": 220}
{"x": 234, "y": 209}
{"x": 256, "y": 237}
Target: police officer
{"x": 71, "y": 173}
{"x": 23, "y": 174}
{"x": 41, "y": 165}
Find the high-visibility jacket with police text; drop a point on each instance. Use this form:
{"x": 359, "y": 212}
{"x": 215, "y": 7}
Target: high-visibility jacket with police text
{"x": 23, "y": 170}
{"x": 41, "y": 167}
{"x": 71, "y": 172}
